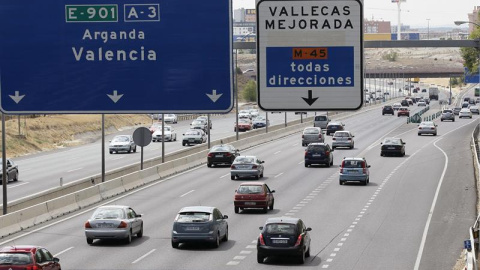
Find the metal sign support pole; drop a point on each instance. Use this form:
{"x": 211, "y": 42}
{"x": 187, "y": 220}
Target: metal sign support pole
{"x": 208, "y": 128}
{"x": 266, "y": 122}
{"x": 163, "y": 140}
{"x": 141, "y": 158}
{"x": 103, "y": 147}
{"x": 4, "y": 166}
{"x": 285, "y": 119}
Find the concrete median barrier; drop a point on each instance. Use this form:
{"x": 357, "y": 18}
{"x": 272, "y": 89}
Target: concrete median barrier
{"x": 132, "y": 180}
{"x": 88, "y": 196}
{"x": 9, "y": 224}
{"x": 62, "y": 205}
{"x": 33, "y": 215}
{"x": 111, "y": 188}
{"x": 149, "y": 175}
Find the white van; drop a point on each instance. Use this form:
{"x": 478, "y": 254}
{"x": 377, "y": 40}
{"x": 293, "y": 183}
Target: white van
{"x": 321, "y": 121}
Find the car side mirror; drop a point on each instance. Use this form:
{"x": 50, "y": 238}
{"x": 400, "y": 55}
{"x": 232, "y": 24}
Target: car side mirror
{"x": 368, "y": 166}
{"x": 381, "y": 143}
{"x": 183, "y": 134}
{"x": 225, "y": 216}
{"x": 273, "y": 191}
{"x": 308, "y": 229}
{"x": 263, "y": 161}
{"x": 260, "y": 228}
{"x": 110, "y": 141}
{"x": 138, "y": 215}
{"x": 404, "y": 143}
{"x": 353, "y": 136}
{"x": 55, "y": 259}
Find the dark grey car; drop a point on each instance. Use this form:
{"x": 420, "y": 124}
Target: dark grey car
{"x": 199, "y": 224}
{"x": 447, "y": 114}
{"x": 12, "y": 170}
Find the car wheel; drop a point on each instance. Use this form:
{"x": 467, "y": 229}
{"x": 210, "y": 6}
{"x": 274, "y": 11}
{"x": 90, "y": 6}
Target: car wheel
{"x": 307, "y": 254}
{"x": 130, "y": 150}
{"x": 135, "y": 149}
{"x": 216, "y": 244}
{"x": 441, "y": 120}
{"x": 111, "y": 152}
{"x": 209, "y": 165}
{"x": 128, "y": 240}
{"x": 15, "y": 179}
{"x": 89, "y": 241}
{"x": 403, "y": 154}
{"x": 340, "y": 182}
{"x": 261, "y": 175}
{"x": 225, "y": 237}
{"x": 271, "y": 206}
{"x": 434, "y": 134}
{"x": 175, "y": 244}
{"x": 260, "y": 258}
{"x": 306, "y": 165}
{"x": 453, "y": 120}
{"x": 265, "y": 209}
{"x": 236, "y": 209}
{"x": 328, "y": 164}
{"x": 381, "y": 154}
{"x": 365, "y": 182}
{"x": 153, "y": 141}
{"x": 232, "y": 177}
{"x": 140, "y": 233}
{"x": 301, "y": 259}
{"x": 418, "y": 134}
{"x": 256, "y": 177}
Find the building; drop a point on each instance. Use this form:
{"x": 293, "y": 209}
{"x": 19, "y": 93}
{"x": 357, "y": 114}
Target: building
{"x": 376, "y": 27}
{"x": 244, "y": 25}
{"x": 473, "y": 17}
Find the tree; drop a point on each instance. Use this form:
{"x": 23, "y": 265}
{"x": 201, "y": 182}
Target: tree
{"x": 470, "y": 55}
{"x": 250, "y": 91}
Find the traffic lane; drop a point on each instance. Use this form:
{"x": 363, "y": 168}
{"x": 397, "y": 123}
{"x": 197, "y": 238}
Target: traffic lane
{"x": 41, "y": 172}
{"x": 391, "y": 235}
{"x": 455, "y": 211}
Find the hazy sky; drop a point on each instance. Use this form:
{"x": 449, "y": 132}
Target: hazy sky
{"x": 414, "y": 12}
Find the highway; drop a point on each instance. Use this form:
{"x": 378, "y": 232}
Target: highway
{"x": 414, "y": 213}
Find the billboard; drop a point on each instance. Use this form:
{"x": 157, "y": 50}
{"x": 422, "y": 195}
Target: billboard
{"x": 407, "y": 36}
{"x": 471, "y": 77}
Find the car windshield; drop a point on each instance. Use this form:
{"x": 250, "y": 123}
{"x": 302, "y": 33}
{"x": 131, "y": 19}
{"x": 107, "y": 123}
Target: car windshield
{"x": 121, "y": 139}
{"x": 341, "y": 134}
{"x": 167, "y": 129}
{"x": 321, "y": 118}
{"x": 220, "y": 148}
{"x": 193, "y": 217}
{"x": 108, "y": 213}
{"x": 310, "y": 131}
{"x": 244, "y": 160}
{"x": 197, "y": 122}
{"x": 353, "y": 164}
{"x": 243, "y": 121}
{"x": 250, "y": 190}
{"x": 192, "y": 132}
{"x": 447, "y": 111}
{"x": 280, "y": 228}
{"x": 392, "y": 141}
{"x": 260, "y": 118}
{"x": 15, "y": 258}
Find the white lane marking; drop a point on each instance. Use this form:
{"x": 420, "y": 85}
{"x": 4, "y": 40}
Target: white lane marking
{"x": 233, "y": 263}
{"x": 432, "y": 208}
{"x": 61, "y": 252}
{"x": 117, "y": 158}
{"x": 75, "y": 170}
{"x": 303, "y": 161}
{"x": 336, "y": 249}
{"x": 251, "y": 246}
{"x": 325, "y": 266}
{"x": 254, "y": 241}
{"x": 239, "y": 257}
{"x": 278, "y": 175}
{"x": 17, "y": 185}
{"x": 187, "y": 193}
{"x": 294, "y": 144}
{"x": 145, "y": 255}
{"x": 329, "y": 260}
{"x": 224, "y": 175}
{"x": 278, "y": 152}
{"x": 245, "y": 252}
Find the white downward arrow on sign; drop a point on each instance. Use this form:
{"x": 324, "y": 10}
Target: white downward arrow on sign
{"x": 17, "y": 97}
{"x": 213, "y": 96}
{"x": 115, "y": 97}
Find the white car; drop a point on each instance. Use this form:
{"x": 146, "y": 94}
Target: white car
{"x": 245, "y": 113}
{"x": 122, "y": 143}
{"x": 254, "y": 113}
{"x": 396, "y": 106}
{"x": 170, "y": 118}
{"x": 168, "y": 134}
{"x": 205, "y": 118}
{"x": 465, "y": 112}
{"x": 421, "y": 103}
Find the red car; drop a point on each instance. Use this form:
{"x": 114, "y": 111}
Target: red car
{"x": 253, "y": 195}
{"x": 403, "y": 111}
{"x": 28, "y": 258}
{"x": 243, "y": 125}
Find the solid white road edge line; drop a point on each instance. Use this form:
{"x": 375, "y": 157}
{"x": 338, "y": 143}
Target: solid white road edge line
{"x": 18, "y": 185}
{"x": 187, "y": 193}
{"x": 75, "y": 170}
{"x": 61, "y": 252}
{"x": 432, "y": 208}
{"x": 148, "y": 253}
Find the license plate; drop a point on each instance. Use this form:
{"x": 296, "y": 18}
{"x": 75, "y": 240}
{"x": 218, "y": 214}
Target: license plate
{"x": 391, "y": 148}
{"x": 279, "y": 241}
{"x": 316, "y": 155}
{"x": 192, "y": 228}
{"x": 191, "y": 140}
{"x": 250, "y": 203}
{"x": 218, "y": 155}
{"x": 105, "y": 225}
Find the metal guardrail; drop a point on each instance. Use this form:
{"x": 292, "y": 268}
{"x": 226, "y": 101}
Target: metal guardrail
{"x": 471, "y": 245}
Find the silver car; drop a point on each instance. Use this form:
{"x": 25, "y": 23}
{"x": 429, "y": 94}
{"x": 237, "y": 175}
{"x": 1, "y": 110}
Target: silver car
{"x": 427, "y": 128}
{"x": 447, "y": 114}
{"x": 312, "y": 135}
{"x": 199, "y": 224}
{"x": 465, "y": 112}
{"x": 247, "y": 166}
{"x": 194, "y": 136}
{"x": 343, "y": 139}
{"x": 199, "y": 124}
{"x": 474, "y": 109}
{"x": 114, "y": 222}
{"x": 122, "y": 143}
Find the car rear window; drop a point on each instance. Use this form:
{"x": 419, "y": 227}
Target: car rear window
{"x": 341, "y": 134}
{"x": 353, "y": 164}
{"x": 311, "y": 131}
{"x": 108, "y": 213}
{"x": 280, "y": 228}
{"x": 387, "y": 107}
{"x": 193, "y": 217}
{"x": 121, "y": 139}
{"x": 244, "y": 160}
{"x": 192, "y": 132}
{"x": 391, "y": 141}
{"x": 15, "y": 258}
{"x": 447, "y": 111}
{"x": 316, "y": 147}
{"x": 321, "y": 118}
{"x": 250, "y": 189}
{"x": 219, "y": 148}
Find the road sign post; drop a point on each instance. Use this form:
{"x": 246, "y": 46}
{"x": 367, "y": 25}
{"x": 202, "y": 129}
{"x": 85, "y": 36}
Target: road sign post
{"x": 116, "y": 57}
{"x": 310, "y": 55}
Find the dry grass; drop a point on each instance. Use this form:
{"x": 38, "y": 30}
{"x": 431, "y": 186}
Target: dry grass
{"x": 57, "y": 131}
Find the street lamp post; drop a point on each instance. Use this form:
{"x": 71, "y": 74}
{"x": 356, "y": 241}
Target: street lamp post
{"x": 428, "y": 27}
{"x": 478, "y": 43}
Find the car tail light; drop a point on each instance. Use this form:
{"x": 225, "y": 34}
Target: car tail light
{"x": 228, "y": 154}
{"x": 254, "y": 166}
{"x": 341, "y": 167}
{"x": 303, "y": 136}
{"x": 327, "y": 153}
{"x": 210, "y": 154}
{"x": 349, "y": 139}
{"x": 419, "y": 127}
{"x": 364, "y": 168}
{"x": 87, "y": 225}
{"x": 319, "y": 136}
{"x": 260, "y": 239}
{"x": 432, "y": 128}
{"x": 34, "y": 267}
{"x": 299, "y": 240}
{"x": 306, "y": 153}
{"x": 232, "y": 167}
{"x": 333, "y": 139}
{"x": 122, "y": 224}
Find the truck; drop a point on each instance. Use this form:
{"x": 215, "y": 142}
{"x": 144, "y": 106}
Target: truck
{"x": 416, "y": 80}
{"x": 477, "y": 92}
{"x": 433, "y": 93}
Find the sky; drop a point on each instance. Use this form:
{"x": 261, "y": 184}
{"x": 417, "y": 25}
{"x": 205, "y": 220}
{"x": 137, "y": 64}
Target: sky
{"x": 414, "y": 12}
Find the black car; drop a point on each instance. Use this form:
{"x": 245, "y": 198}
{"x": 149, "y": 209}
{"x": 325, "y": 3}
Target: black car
{"x": 404, "y": 103}
{"x": 284, "y": 236}
{"x": 427, "y": 100}
{"x": 222, "y": 154}
{"x": 334, "y": 126}
{"x": 12, "y": 171}
{"x": 392, "y": 146}
{"x": 387, "y": 109}
{"x": 457, "y": 110}
{"x": 318, "y": 153}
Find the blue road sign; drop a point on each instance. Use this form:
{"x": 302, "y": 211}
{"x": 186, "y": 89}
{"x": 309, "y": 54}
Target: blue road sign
{"x": 471, "y": 78}
{"x": 115, "y": 56}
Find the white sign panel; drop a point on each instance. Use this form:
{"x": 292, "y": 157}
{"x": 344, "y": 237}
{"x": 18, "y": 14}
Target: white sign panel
{"x": 310, "y": 55}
